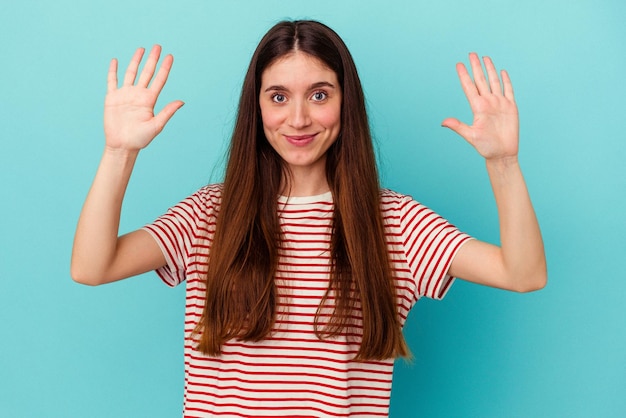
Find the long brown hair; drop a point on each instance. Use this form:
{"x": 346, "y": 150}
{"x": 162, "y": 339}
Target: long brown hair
{"x": 241, "y": 295}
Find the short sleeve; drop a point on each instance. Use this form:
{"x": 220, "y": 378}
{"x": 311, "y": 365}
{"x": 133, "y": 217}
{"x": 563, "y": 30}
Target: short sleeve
{"x": 430, "y": 244}
{"x": 179, "y": 231}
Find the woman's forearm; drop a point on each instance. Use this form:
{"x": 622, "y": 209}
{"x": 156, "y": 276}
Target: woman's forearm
{"x": 96, "y": 236}
{"x": 521, "y": 244}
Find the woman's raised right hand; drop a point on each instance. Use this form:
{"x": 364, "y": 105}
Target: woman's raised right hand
{"x": 129, "y": 120}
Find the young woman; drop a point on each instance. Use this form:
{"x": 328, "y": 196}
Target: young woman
{"x": 300, "y": 270}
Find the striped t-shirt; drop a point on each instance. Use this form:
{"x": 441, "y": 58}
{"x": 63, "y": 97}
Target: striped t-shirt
{"x": 293, "y": 373}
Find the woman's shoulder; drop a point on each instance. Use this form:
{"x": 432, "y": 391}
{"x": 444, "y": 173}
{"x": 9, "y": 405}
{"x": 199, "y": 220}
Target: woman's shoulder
{"x": 209, "y": 193}
{"x": 401, "y": 206}
{"x": 203, "y": 201}
{"x": 390, "y": 199}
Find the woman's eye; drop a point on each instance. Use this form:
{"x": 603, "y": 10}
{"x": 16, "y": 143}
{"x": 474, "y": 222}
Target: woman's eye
{"x": 278, "y": 98}
{"x": 318, "y": 96}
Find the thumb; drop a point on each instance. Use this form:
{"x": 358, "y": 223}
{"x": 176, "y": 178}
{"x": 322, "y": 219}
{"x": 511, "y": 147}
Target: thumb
{"x": 166, "y": 114}
{"x": 458, "y": 127}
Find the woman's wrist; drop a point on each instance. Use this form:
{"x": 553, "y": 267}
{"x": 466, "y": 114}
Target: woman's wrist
{"x": 121, "y": 153}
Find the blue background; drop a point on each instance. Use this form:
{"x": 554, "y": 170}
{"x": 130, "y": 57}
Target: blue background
{"x": 116, "y": 351}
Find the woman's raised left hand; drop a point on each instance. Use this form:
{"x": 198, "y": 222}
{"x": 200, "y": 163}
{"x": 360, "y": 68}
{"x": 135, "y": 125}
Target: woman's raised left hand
{"x": 494, "y": 132}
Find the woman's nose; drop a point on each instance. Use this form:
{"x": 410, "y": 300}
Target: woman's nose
{"x": 299, "y": 116}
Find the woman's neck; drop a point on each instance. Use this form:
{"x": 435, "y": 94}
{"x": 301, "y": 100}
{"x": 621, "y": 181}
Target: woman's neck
{"x": 304, "y": 183}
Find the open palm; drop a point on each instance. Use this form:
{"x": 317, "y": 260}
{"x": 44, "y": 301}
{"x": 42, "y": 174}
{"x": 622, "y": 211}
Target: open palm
{"x": 129, "y": 119}
{"x": 495, "y": 129}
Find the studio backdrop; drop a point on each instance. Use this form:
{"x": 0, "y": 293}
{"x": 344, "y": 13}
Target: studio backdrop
{"x": 68, "y": 350}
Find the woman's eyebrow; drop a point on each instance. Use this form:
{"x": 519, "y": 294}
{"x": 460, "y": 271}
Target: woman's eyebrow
{"x": 313, "y": 86}
{"x": 322, "y": 84}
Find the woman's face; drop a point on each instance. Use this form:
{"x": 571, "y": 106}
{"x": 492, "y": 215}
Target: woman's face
{"x": 300, "y": 100}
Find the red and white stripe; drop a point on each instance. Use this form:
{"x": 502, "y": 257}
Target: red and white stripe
{"x": 293, "y": 373}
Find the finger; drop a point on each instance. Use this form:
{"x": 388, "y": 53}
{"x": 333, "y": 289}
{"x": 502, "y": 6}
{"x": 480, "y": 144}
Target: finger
{"x": 492, "y": 74}
{"x": 468, "y": 86}
{"x": 112, "y": 76}
{"x": 131, "y": 71}
{"x": 479, "y": 75}
{"x": 508, "y": 86}
{"x": 148, "y": 69}
{"x": 163, "y": 74}
{"x": 166, "y": 114}
{"x": 458, "y": 127}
